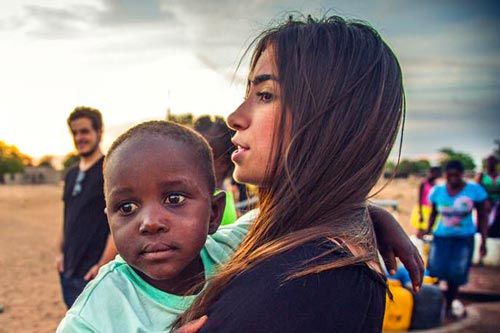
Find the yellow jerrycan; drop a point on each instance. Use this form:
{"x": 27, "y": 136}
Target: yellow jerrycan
{"x": 398, "y": 311}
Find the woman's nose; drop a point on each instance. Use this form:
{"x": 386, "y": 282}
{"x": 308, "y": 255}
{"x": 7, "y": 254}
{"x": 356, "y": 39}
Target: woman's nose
{"x": 153, "y": 221}
{"x": 237, "y": 120}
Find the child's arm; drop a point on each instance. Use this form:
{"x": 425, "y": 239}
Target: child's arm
{"x": 420, "y": 193}
{"x": 394, "y": 242}
{"x": 193, "y": 326}
{"x": 432, "y": 219}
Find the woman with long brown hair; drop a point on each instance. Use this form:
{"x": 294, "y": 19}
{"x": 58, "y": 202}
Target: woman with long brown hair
{"x": 324, "y": 103}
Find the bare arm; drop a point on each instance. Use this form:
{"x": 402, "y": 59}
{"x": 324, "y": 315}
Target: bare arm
{"x": 193, "y": 326}
{"x": 394, "y": 242}
{"x": 420, "y": 192}
{"x": 59, "y": 259}
{"x": 482, "y": 224}
{"x": 432, "y": 219}
{"x": 479, "y": 178}
{"x": 108, "y": 255}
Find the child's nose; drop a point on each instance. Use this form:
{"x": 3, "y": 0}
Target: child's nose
{"x": 153, "y": 221}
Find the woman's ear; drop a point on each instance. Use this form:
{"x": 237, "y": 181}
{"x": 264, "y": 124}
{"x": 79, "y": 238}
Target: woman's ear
{"x": 218, "y": 206}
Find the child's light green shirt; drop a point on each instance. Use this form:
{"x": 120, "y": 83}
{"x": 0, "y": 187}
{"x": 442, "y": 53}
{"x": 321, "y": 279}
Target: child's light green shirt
{"x": 118, "y": 300}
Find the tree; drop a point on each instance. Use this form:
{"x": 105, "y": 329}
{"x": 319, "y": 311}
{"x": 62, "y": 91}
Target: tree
{"x": 11, "y": 159}
{"x": 183, "y": 119}
{"x": 449, "y": 154}
{"x": 70, "y": 160}
{"x": 407, "y": 167}
{"x": 389, "y": 166}
{"x": 46, "y": 161}
{"x": 496, "y": 150}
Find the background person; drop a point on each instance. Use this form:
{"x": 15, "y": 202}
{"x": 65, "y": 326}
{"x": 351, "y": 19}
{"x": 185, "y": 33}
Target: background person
{"x": 85, "y": 243}
{"x": 218, "y": 135}
{"x": 452, "y": 247}
{"x": 490, "y": 181}
{"x": 421, "y": 213}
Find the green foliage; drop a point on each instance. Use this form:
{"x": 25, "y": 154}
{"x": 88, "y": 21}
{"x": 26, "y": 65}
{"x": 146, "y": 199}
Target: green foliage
{"x": 413, "y": 167}
{"x": 183, "y": 119}
{"x": 407, "y": 167}
{"x": 389, "y": 166}
{"x": 70, "y": 160}
{"x": 449, "y": 154}
{"x": 46, "y": 161}
{"x": 11, "y": 159}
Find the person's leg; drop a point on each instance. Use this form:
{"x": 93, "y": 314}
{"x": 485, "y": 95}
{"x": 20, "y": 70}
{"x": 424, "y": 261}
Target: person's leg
{"x": 71, "y": 288}
{"x": 460, "y": 261}
{"x": 451, "y": 294}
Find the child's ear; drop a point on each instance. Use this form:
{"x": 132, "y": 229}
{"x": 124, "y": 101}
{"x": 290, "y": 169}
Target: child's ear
{"x": 218, "y": 206}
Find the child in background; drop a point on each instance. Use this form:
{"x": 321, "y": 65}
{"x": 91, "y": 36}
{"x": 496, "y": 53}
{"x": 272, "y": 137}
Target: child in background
{"x": 421, "y": 212}
{"x": 159, "y": 184}
{"x": 218, "y": 135}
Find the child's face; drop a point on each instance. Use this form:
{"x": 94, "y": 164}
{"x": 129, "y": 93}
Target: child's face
{"x": 160, "y": 208}
{"x": 255, "y": 122}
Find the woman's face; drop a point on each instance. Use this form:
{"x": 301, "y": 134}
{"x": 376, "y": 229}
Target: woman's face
{"x": 255, "y": 122}
{"x": 454, "y": 177}
{"x": 491, "y": 163}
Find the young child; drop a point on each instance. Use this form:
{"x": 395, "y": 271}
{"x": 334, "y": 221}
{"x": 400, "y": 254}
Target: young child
{"x": 422, "y": 211}
{"x": 159, "y": 183}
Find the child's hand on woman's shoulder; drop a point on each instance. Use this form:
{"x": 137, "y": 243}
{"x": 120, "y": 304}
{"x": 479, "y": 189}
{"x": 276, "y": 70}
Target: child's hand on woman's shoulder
{"x": 193, "y": 326}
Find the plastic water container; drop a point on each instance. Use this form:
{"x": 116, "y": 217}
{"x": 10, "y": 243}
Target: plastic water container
{"x": 427, "y": 306}
{"x": 492, "y": 257}
{"x": 398, "y": 311}
{"x": 422, "y": 245}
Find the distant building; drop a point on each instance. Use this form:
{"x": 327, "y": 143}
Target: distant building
{"x": 34, "y": 175}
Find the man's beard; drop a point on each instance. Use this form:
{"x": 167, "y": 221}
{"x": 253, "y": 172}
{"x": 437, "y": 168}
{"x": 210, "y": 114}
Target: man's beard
{"x": 90, "y": 152}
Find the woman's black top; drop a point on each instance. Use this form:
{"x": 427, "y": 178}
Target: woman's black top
{"x": 349, "y": 299}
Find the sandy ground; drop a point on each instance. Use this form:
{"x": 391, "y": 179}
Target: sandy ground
{"x": 30, "y": 222}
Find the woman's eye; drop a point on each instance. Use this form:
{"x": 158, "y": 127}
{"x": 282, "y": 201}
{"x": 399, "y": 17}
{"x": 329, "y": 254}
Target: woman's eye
{"x": 174, "y": 199}
{"x": 265, "y": 96}
{"x": 127, "y": 208}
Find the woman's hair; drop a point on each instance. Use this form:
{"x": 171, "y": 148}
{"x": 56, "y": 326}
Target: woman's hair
{"x": 342, "y": 103}
{"x": 170, "y": 131}
{"x": 218, "y": 135}
{"x": 454, "y": 165}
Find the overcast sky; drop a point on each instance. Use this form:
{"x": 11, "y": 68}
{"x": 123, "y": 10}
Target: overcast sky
{"x": 134, "y": 59}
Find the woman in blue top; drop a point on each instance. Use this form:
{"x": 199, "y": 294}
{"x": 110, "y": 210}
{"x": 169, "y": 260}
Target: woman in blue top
{"x": 450, "y": 257}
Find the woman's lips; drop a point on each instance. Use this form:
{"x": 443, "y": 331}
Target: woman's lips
{"x": 239, "y": 153}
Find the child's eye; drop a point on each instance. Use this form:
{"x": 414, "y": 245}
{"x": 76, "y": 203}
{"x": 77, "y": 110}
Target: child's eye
{"x": 127, "y": 208}
{"x": 175, "y": 199}
{"x": 265, "y": 97}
